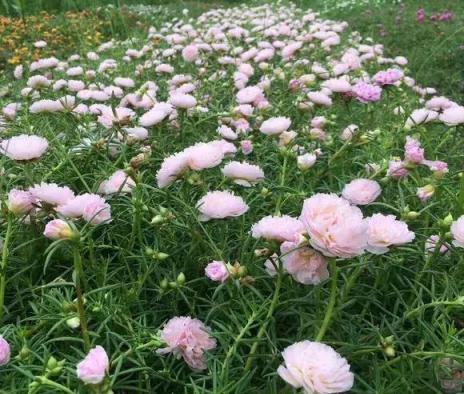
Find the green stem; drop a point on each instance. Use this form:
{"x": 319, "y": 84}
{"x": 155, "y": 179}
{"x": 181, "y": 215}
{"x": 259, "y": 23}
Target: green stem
{"x": 270, "y": 312}
{"x": 51, "y": 383}
{"x": 281, "y": 184}
{"x": 5, "y": 262}
{"x": 80, "y": 299}
{"x": 331, "y": 305}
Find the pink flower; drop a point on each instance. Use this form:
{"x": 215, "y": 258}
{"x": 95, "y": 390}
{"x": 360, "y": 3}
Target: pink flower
{"x": 188, "y": 338}
{"x": 397, "y": 170}
{"x": 366, "y": 93}
{"x": 413, "y": 151}
{"x": 58, "y": 229}
{"x": 304, "y": 264}
{"x": 250, "y": 95}
{"x": 335, "y": 227}
{"x": 318, "y": 122}
{"x": 275, "y": 126}
{"x": 217, "y": 271}
{"x": 453, "y": 116}
{"x": 20, "y": 202}
{"x": 91, "y": 207}
{"x": 5, "y": 351}
{"x": 385, "y": 231}
{"x": 243, "y": 174}
{"x": 171, "y": 169}
{"x": 180, "y": 100}
{"x": 115, "y": 116}
{"x": 306, "y": 161}
{"x": 425, "y": 192}
{"x": 388, "y": 77}
{"x": 361, "y": 191}
{"x": 221, "y": 205}
{"x": 420, "y": 15}
{"x": 51, "y": 193}
{"x": 119, "y": 182}
{"x": 457, "y": 231}
{"x": 247, "y": 146}
{"x": 190, "y": 53}
{"x": 315, "y": 367}
{"x": 431, "y": 244}
{"x": 320, "y": 99}
{"x": 156, "y": 115}
{"x": 24, "y": 147}
{"x": 94, "y": 367}
{"x": 277, "y": 228}
{"x": 204, "y": 155}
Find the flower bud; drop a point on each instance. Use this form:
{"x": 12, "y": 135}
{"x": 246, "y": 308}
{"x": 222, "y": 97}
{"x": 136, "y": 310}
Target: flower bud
{"x": 180, "y": 279}
{"x": 59, "y": 229}
{"x": 73, "y": 322}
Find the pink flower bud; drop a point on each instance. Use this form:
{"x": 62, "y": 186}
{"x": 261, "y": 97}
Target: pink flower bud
{"x": 58, "y": 229}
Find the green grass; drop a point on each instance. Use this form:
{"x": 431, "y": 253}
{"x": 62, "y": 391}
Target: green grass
{"x": 397, "y": 316}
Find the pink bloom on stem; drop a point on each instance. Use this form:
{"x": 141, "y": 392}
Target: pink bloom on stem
{"x": 119, "y": 182}
{"x": 217, "y": 271}
{"x": 420, "y": 15}
{"x": 425, "y": 192}
{"x": 51, "y": 193}
{"x": 388, "y": 77}
{"x": 94, "y": 367}
{"x": 385, "y": 231}
{"x": 20, "y": 202}
{"x": 315, "y": 367}
{"x": 413, "y": 151}
{"x": 5, "y": 351}
{"x": 336, "y": 228}
{"x": 397, "y": 170}
{"x": 303, "y": 263}
{"x": 187, "y": 338}
{"x": 457, "y": 231}
{"x": 91, "y": 207}
{"x": 221, "y": 205}
{"x": 366, "y": 93}
{"x": 275, "y": 125}
{"x": 277, "y": 228}
{"x": 247, "y": 146}
{"x": 361, "y": 191}
{"x": 58, "y": 229}
{"x": 24, "y": 147}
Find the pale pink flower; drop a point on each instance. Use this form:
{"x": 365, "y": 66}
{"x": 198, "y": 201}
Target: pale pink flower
{"x": 278, "y": 228}
{"x": 413, "y": 151}
{"x": 339, "y": 85}
{"x": 171, "y": 169}
{"x": 453, "y": 116}
{"x": 190, "y": 53}
{"x": 94, "y": 367}
{"x": 439, "y": 168}
{"x": 306, "y": 161}
{"x": 349, "y": 132}
{"x": 247, "y": 147}
{"x": 243, "y": 174}
{"x": 388, "y": 77}
{"x": 115, "y": 116}
{"x": 366, "y": 93}
{"x": 227, "y": 133}
{"x": 316, "y": 368}
{"x": 136, "y": 133}
{"x": 24, "y": 147}
{"x": 187, "y": 338}
{"x": 91, "y": 207}
{"x": 157, "y": 114}
{"x": 335, "y": 227}
{"x": 38, "y": 81}
{"x": 58, "y": 229}
{"x": 275, "y": 125}
{"x": 361, "y": 191}
{"x": 318, "y": 122}
{"x": 419, "y": 116}
{"x": 20, "y": 202}
{"x": 204, "y": 155}
{"x": 5, "y": 351}
{"x": 397, "y": 169}
{"x": 249, "y": 95}
{"x": 432, "y": 243}
{"x": 181, "y": 100}
{"x": 457, "y": 231}
{"x": 51, "y": 194}
{"x": 303, "y": 263}
{"x": 220, "y": 205}
{"x": 385, "y": 231}
{"x": 119, "y": 182}
{"x": 320, "y": 99}
{"x": 124, "y": 82}
{"x": 217, "y": 271}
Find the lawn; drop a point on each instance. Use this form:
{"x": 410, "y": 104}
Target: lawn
{"x": 231, "y": 197}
